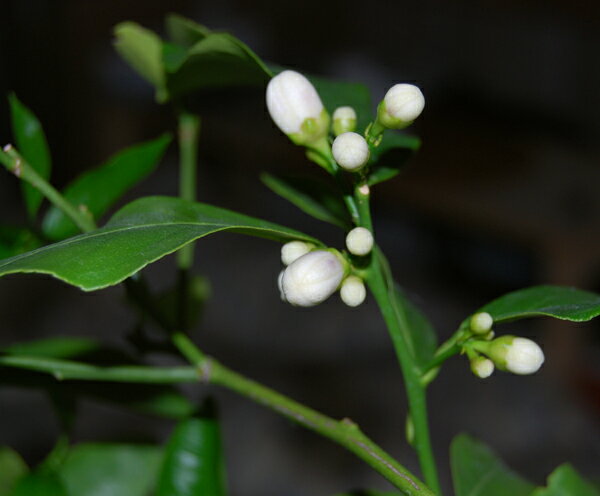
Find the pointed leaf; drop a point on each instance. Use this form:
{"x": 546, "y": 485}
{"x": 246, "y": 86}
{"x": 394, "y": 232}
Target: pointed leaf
{"x": 184, "y": 31}
{"x": 31, "y": 142}
{"x": 97, "y": 190}
{"x": 558, "y": 302}
{"x": 193, "y": 461}
{"x": 139, "y": 234}
{"x": 15, "y": 240}
{"x": 565, "y": 481}
{"x": 312, "y": 197}
{"x": 477, "y": 471}
{"x": 142, "y": 49}
{"x": 111, "y": 470}
{"x": 59, "y": 347}
{"x": 12, "y": 468}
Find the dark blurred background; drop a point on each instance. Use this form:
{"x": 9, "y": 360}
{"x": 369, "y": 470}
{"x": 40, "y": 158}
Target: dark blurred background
{"x": 503, "y": 194}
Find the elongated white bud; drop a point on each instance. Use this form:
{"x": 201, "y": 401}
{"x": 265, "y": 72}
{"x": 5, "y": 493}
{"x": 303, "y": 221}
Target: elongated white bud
{"x": 513, "y": 354}
{"x": 312, "y": 278}
{"x": 402, "y": 104}
{"x": 350, "y": 151}
{"x": 296, "y": 108}
{"x": 353, "y": 291}
{"x": 481, "y": 323}
{"x": 344, "y": 120}
{"x": 293, "y": 250}
{"x": 482, "y": 367}
{"x": 359, "y": 241}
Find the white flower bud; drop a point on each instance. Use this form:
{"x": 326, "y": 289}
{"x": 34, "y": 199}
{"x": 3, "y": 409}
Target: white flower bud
{"x": 294, "y": 250}
{"x": 353, "y": 291}
{"x": 517, "y": 355}
{"x": 350, "y": 151}
{"x": 359, "y": 241}
{"x": 402, "y": 104}
{"x": 481, "y": 323}
{"x": 280, "y": 285}
{"x": 482, "y": 367}
{"x": 344, "y": 120}
{"x": 296, "y": 107}
{"x": 312, "y": 278}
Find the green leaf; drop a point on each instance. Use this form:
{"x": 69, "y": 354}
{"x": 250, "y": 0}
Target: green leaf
{"x": 110, "y": 470}
{"x": 39, "y": 484}
{"x": 143, "y": 50}
{"x": 184, "y": 31}
{"x": 367, "y": 492}
{"x": 31, "y": 142}
{"x": 59, "y": 347}
{"x": 12, "y": 468}
{"x": 216, "y": 60}
{"x": 558, "y": 302}
{"x": 15, "y": 240}
{"x": 97, "y": 190}
{"x": 139, "y": 234}
{"x": 313, "y": 197}
{"x": 477, "y": 471}
{"x": 391, "y": 155}
{"x": 422, "y": 334}
{"x": 336, "y": 94}
{"x": 193, "y": 462}
{"x": 565, "y": 481}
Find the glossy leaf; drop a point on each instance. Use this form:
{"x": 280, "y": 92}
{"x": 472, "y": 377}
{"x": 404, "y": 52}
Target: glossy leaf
{"x": 391, "y": 155}
{"x": 39, "y": 484}
{"x": 558, "y": 302}
{"x": 143, "y": 50}
{"x": 193, "y": 461}
{"x": 477, "y": 471}
{"x": 565, "y": 481}
{"x": 31, "y": 142}
{"x": 313, "y": 197}
{"x": 111, "y": 470}
{"x": 15, "y": 240}
{"x": 139, "y": 234}
{"x": 184, "y": 31}
{"x": 100, "y": 188}
{"x": 12, "y": 468}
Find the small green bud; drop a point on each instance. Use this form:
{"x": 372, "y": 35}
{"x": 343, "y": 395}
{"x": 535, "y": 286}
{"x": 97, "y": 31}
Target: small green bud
{"x": 344, "y": 120}
{"x": 481, "y": 323}
{"x": 482, "y": 367}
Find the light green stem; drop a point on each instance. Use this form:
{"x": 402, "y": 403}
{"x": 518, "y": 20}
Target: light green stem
{"x": 207, "y": 370}
{"x": 16, "y": 164}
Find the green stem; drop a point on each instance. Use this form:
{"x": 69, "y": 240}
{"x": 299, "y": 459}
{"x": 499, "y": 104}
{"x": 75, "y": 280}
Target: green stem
{"x": 16, "y": 164}
{"x": 207, "y": 370}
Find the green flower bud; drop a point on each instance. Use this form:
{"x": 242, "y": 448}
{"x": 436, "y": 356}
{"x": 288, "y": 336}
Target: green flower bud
{"x": 482, "y": 367}
{"x": 344, "y": 120}
{"x": 481, "y": 323}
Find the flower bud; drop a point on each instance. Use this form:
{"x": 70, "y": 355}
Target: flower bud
{"x": 350, "y": 151}
{"x": 402, "y": 104}
{"x": 280, "y": 285}
{"x": 482, "y": 367}
{"x": 293, "y": 250}
{"x": 359, "y": 241}
{"x": 353, "y": 291}
{"x": 344, "y": 120}
{"x": 296, "y": 108}
{"x": 481, "y": 323}
{"x": 517, "y": 355}
{"x": 312, "y": 278}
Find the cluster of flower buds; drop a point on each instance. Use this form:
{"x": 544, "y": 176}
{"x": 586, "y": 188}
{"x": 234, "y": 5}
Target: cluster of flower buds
{"x": 508, "y": 353}
{"x": 313, "y": 274}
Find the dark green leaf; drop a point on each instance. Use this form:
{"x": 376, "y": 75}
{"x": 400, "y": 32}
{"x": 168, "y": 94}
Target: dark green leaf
{"x": 12, "y": 468}
{"x": 111, "y": 470}
{"x": 59, "y": 347}
{"x": 139, "y": 234}
{"x": 367, "y": 492}
{"x": 544, "y": 301}
{"x": 193, "y": 462}
{"x": 143, "y": 50}
{"x": 15, "y": 240}
{"x": 477, "y": 471}
{"x": 565, "y": 481}
{"x": 39, "y": 484}
{"x": 391, "y": 155}
{"x": 31, "y": 142}
{"x": 98, "y": 189}
{"x": 312, "y": 197}
{"x": 184, "y": 31}
{"x": 216, "y": 60}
